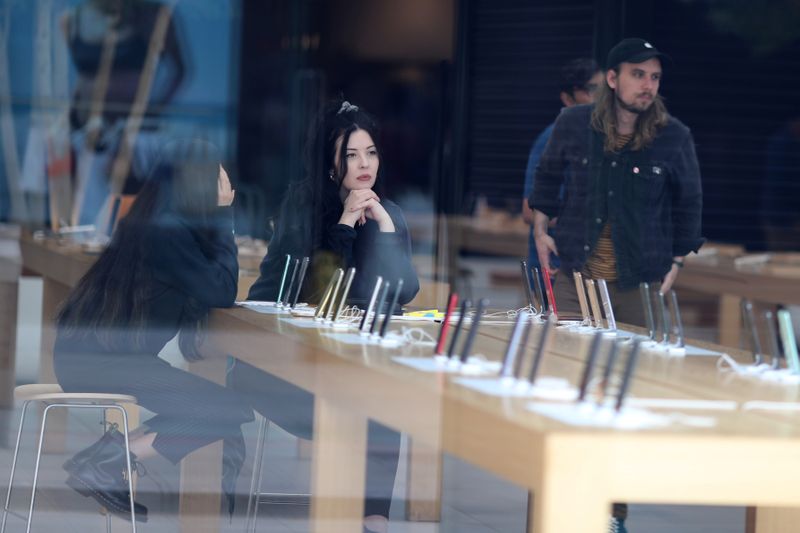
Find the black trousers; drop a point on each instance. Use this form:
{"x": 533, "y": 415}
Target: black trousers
{"x": 191, "y": 411}
{"x": 292, "y": 408}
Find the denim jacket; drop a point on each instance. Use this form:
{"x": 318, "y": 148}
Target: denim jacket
{"x": 652, "y": 197}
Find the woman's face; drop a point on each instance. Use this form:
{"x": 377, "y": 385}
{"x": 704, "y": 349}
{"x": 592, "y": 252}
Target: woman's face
{"x": 362, "y": 161}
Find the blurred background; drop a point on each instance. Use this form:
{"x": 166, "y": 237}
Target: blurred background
{"x": 90, "y": 88}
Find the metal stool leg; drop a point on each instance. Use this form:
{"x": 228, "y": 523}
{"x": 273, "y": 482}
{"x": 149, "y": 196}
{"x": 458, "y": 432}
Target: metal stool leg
{"x": 108, "y": 513}
{"x": 127, "y": 455}
{"x": 127, "y": 461}
{"x": 256, "y": 496}
{"x": 255, "y": 484}
{"x": 13, "y": 466}
{"x": 36, "y": 468}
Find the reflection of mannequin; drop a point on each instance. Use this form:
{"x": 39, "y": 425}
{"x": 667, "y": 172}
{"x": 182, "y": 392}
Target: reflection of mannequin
{"x": 86, "y": 29}
{"x": 110, "y": 42}
{"x": 781, "y": 190}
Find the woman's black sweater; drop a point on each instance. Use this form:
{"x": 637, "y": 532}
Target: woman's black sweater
{"x": 372, "y": 252}
{"x": 188, "y": 266}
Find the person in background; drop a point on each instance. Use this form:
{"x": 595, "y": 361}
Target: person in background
{"x": 632, "y": 196}
{"x": 171, "y": 259}
{"x": 110, "y": 43}
{"x": 631, "y": 206}
{"x": 579, "y": 81}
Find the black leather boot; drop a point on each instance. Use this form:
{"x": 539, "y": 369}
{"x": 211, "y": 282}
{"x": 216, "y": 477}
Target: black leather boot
{"x": 99, "y": 472}
{"x": 87, "y": 453}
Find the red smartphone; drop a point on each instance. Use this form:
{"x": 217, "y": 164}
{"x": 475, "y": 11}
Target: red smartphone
{"x": 451, "y": 305}
{"x": 550, "y": 295}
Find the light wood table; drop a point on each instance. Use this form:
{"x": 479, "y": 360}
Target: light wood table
{"x": 61, "y": 266}
{"x": 721, "y": 277}
{"x": 747, "y": 458}
{"x": 575, "y": 474}
{"x": 717, "y": 275}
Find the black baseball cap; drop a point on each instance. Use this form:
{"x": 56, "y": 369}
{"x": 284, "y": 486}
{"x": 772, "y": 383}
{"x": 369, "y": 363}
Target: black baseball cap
{"x": 632, "y": 50}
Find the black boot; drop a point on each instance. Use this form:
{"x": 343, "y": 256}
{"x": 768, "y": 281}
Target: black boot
{"x": 99, "y": 472}
{"x": 85, "y": 454}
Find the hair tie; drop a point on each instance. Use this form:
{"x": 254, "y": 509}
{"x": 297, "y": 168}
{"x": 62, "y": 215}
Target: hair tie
{"x": 346, "y": 108}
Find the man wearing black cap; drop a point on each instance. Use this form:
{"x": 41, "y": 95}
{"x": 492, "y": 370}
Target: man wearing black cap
{"x": 633, "y": 196}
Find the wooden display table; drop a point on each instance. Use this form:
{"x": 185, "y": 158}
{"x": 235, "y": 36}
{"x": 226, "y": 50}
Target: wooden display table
{"x": 575, "y": 473}
{"x": 777, "y": 284}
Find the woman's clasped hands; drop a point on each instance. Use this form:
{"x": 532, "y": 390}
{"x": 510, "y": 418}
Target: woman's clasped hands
{"x": 363, "y": 204}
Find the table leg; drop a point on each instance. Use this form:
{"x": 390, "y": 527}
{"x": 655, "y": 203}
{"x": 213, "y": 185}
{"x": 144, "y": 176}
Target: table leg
{"x": 570, "y": 493}
{"x": 8, "y": 340}
{"x": 201, "y": 470}
{"x": 115, "y": 417}
{"x": 565, "y": 511}
{"x": 338, "y": 469}
{"x": 777, "y": 520}
{"x": 53, "y": 295}
{"x": 8, "y": 347}
{"x": 424, "y": 483}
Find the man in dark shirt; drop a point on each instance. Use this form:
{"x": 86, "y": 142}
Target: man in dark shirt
{"x": 633, "y": 198}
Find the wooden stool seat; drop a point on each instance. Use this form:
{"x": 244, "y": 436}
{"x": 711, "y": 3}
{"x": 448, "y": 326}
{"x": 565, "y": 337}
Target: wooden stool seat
{"x": 51, "y": 392}
{"x": 26, "y": 392}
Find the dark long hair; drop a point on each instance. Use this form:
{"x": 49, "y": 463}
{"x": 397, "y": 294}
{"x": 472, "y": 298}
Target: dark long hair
{"x": 110, "y": 298}
{"x": 312, "y": 203}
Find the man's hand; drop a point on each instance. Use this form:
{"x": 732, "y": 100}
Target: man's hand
{"x": 544, "y": 242}
{"x": 669, "y": 279}
{"x": 544, "y": 246}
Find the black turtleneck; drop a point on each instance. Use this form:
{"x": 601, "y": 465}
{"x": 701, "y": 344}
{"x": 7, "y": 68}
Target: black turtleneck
{"x": 372, "y": 252}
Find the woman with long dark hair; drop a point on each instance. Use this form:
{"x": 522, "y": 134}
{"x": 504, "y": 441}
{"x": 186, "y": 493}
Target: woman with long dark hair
{"x": 171, "y": 259}
{"x": 336, "y": 216}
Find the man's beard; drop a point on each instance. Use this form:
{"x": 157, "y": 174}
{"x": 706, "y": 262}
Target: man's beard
{"x": 630, "y": 107}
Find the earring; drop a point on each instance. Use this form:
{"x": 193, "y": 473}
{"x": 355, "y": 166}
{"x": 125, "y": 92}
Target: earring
{"x": 330, "y": 175}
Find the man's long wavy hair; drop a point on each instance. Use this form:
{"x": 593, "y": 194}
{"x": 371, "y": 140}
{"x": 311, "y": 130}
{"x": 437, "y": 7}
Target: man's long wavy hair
{"x": 604, "y": 119}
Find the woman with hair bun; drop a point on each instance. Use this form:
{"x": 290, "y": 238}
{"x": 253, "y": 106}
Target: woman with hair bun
{"x": 337, "y": 216}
